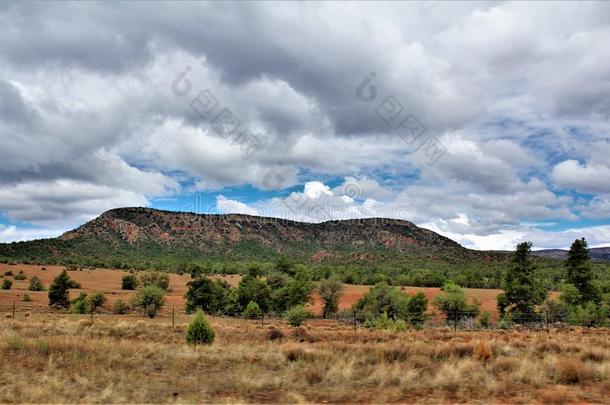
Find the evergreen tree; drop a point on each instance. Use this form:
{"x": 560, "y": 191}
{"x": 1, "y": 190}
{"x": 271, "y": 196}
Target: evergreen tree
{"x": 254, "y": 289}
{"x": 416, "y": 308}
{"x": 199, "y": 330}
{"x": 58, "y": 291}
{"x": 207, "y": 294}
{"x": 521, "y": 290}
{"x": 579, "y": 272}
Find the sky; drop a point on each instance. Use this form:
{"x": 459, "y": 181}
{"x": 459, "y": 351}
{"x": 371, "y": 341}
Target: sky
{"x": 485, "y": 122}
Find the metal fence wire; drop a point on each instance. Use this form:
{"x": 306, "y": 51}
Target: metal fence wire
{"x": 458, "y": 320}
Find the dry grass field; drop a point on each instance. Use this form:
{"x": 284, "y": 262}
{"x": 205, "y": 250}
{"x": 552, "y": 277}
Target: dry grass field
{"x": 69, "y": 358}
{"x": 109, "y": 282}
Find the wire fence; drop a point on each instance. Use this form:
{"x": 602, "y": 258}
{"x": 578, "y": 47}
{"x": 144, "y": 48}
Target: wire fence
{"x": 457, "y": 320}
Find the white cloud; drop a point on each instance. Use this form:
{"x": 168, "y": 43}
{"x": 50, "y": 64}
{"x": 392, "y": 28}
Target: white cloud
{"x": 586, "y": 178}
{"x": 227, "y": 206}
{"x": 88, "y": 122}
{"x": 12, "y": 233}
{"x": 314, "y": 189}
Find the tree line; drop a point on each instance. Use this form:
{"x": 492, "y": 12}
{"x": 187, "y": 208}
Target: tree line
{"x": 285, "y": 289}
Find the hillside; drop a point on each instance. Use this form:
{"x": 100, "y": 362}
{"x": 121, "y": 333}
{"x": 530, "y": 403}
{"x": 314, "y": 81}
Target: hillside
{"x": 361, "y": 251}
{"x": 150, "y": 233}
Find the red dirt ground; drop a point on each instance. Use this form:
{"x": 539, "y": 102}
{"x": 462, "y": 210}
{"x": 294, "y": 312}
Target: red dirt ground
{"x": 109, "y": 282}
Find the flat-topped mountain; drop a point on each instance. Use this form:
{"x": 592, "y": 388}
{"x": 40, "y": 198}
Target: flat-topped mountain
{"x": 131, "y": 235}
{"x": 363, "y": 250}
{"x": 133, "y": 226}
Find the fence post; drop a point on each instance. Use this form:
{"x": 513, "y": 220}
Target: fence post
{"x": 546, "y": 317}
{"x": 354, "y": 319}
{"x": 262, "y": 319}
{"x": 13, "y": 309}
{"x": 173, "y": 316}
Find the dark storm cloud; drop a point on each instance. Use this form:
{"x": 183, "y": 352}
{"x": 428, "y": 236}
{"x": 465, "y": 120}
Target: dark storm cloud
{"x": 244, "y": 41}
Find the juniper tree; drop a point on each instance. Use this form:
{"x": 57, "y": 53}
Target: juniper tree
{"x": 522, "y": 292}
{"x": 580, "y": 274}
{"x": 58, "y": 291}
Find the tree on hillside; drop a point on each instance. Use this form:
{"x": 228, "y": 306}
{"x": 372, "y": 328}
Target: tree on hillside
{"x": 330, "y": 291}
{"x": 284, "y": 265}
{"x": 522, "y": 292}
{"x": 58, "y": 291}
{"x": 579, "y": 273}
{"x": 454, "y": 305}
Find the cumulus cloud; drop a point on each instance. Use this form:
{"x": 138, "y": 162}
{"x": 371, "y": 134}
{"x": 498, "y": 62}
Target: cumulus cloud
{"x": 227, "y": 206}
{"x": 515, "y": 93}
{"x": 586, "y": 178}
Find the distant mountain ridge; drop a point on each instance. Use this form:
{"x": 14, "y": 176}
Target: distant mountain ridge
{"x": 601, "y": 254}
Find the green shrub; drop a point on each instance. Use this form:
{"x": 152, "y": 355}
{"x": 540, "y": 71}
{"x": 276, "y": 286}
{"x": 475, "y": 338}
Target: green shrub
{"x": 297, "y": 315}
{"x": 199, "y": 330}
{"x": 129, "y": 282}
{"x": 385, "y": 323}
{"x": 80, "y": 304}
{"x": 20, "y": 275}
{"x": 27, "y": 298}
{"x": 381, "y": 299}
{"x": 330, "y": 292}
{"x": 95, "y": 301}
{"x": 556, "y": 310}
{"x": 584, "y": 315}
{"x": 453, "y": 303}
{"x": 149, "y": 300}
{"x": 485, "y": 319}
{"x": 120, "y": 307}
{"x": 154, "y": 278}
{"x": 252, "y": 311}
{"x": 7, "y": 284}
{"x": 35, "y": 284}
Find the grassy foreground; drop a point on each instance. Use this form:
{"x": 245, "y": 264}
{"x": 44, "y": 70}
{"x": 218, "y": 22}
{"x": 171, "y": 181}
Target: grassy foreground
{"x": 66, "y": 358}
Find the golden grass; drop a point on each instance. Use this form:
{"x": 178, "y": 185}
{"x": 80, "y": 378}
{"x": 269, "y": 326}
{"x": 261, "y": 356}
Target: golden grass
{"x": 67, "y": 358}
